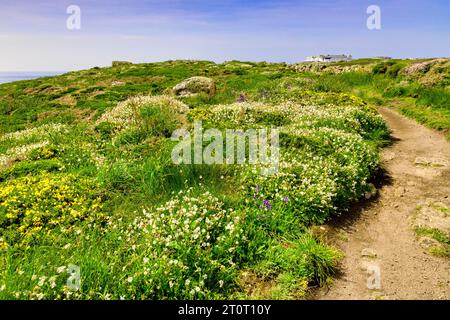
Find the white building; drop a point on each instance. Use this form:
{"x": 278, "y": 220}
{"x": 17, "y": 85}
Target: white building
{"x": 329, "y": 58}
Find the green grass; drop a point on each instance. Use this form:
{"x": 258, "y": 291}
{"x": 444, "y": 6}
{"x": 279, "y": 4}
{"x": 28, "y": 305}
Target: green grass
{"x": 443, "y": 250}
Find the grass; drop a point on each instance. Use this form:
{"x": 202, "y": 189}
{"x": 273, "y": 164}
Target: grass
{"x": 87, "y": 179}
{"x": 441, "y": 250}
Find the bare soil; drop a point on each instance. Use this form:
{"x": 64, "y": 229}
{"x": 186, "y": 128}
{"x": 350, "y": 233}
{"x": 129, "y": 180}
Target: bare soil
{"x": 379, "y": 233}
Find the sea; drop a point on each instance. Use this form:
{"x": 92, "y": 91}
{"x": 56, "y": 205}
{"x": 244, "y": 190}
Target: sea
{"x": 26, "y": 75}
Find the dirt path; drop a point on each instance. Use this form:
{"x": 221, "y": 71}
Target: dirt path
{"x": 380, "y": 235}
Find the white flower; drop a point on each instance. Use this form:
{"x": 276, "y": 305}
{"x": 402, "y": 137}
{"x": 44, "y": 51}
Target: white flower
{"x": 42, "y": 281}
{"x": 61, "y": 269}
{"x": 40, "y": 296}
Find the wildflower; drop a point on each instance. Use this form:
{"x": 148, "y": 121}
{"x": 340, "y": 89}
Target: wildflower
{"x": 60, "y": 269}
{"x": 220, "y": 283}
{"x": 42, "y": 281}
{"x": 267, "y": 204}
{"x": 286, "y": 199}
{"x": 241, "y": 98}
{"x": 40, "y": 296}
{"x": 130, "y": 279}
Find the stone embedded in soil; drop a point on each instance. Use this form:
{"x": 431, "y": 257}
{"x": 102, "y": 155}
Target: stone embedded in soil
{"x": 426, "y": 242}
{"x": 430, "y": 162}
{"x": 433, "y": 215}
{"x": 368, "y": 252}
{"x": 400, "y": 191}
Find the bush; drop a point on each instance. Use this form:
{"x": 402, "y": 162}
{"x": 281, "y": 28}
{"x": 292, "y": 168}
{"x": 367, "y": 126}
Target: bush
{"x": 30, "y": 167}
{"x": 157, "y": 121}
{"x": 395, "y": 91}
{"x": 394, "y": 70}
{"x": 32, "y": 206}
{"x": 382, "y": 67}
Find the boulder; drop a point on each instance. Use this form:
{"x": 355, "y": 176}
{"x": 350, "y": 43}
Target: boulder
{"x": 195, "y": 85}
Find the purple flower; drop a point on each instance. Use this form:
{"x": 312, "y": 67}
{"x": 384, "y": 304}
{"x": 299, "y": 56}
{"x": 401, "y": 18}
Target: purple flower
{"x": 267, "y": 204}
{"x": 241, "y": 98}
{"x": 258, "y": 189}
{"x": 286, "y": 199}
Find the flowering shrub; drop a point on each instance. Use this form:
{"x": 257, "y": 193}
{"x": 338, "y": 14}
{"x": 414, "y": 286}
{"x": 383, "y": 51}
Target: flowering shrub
{"x": 126, "y": 114}
{"x": 325, "y": 160}
{"x": 19, "y": 153}
{"x": 32, "y": 206}
{"x": 309, "y": 97}
{"x": 302, "y": 191}
{"x": 40, "y": 132}
{"x": 247, "y": 114}
{"x": 190, "y": 243}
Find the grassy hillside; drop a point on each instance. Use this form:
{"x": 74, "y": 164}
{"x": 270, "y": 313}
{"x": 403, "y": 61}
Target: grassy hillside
{"x": 87, "y": 178}
{"x": 419, "y": 89}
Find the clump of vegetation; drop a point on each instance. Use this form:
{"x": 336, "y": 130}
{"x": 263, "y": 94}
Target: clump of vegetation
{"x": 442, "y": 249}
{"x": 31, "y": 207}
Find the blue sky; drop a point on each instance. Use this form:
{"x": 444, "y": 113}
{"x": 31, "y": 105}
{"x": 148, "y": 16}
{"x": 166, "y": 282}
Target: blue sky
{"x": 33, "y": 33}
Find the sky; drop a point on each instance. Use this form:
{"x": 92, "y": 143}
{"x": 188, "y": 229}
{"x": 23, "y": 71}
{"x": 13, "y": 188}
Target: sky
{"x": 34, "y": 34}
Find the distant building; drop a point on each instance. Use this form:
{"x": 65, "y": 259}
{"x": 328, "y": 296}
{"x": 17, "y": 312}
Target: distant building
{"x": 329, "y": 58}
{"x": 383, "y": 58}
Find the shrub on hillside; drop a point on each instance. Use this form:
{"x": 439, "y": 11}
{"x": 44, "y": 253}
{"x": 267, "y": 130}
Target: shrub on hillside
{"x": 31, "y": 207}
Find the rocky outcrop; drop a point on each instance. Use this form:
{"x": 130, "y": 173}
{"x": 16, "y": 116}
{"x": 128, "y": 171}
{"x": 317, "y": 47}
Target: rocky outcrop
{"x": 195, "y": 85}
